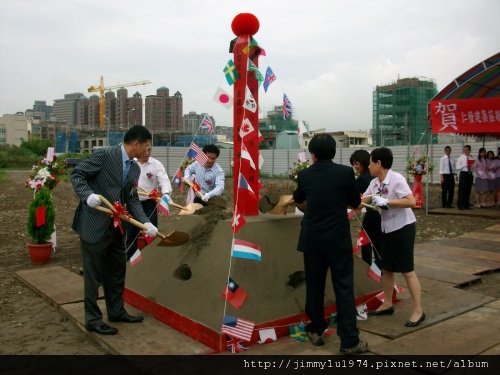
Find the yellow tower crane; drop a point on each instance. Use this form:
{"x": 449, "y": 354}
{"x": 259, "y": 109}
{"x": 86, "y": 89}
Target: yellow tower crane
{"x": 101, "y": 89}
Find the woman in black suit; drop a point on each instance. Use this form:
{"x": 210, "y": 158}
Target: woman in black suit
{"x": 360, "y": 160}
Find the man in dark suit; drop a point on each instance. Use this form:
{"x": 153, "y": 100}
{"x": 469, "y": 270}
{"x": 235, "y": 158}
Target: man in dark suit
{"x": 324, "y": 192}
{"x": 112, "y": 173}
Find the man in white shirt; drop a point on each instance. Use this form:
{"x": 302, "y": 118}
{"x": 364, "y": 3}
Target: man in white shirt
{"x": 210, "y": 177}
{"x": 465, "y": 179}
{"x": 447, "y": 173}
{"x": 153, "y": 175}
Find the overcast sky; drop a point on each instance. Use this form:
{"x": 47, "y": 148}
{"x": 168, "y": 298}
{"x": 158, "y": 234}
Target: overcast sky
{"x": 328, "y": 55}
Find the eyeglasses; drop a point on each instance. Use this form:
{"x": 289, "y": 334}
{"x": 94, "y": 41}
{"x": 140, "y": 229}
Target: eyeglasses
{"x": 149, "y": 149}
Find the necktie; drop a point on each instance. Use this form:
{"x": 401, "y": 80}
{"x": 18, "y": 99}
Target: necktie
{"x": 126, "y": 170}
{"x": 449, "y": 165}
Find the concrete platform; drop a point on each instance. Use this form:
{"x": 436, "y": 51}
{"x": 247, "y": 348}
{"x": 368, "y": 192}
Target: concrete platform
{"x": 493, "y": 212}
{"x": 458, "y": 322}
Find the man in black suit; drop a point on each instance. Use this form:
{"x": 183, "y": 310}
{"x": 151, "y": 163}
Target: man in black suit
{"x": 324, "y": 192}
{"x": 112, "y": 173}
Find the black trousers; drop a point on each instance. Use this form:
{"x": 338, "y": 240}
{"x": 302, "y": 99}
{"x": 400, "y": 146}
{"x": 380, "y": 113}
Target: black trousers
{"x": 447, "y": 189}
{"x": 342, "y": 272}
{"x": 372, "y": 226}
{"x": 149, "y": 207}
{"x": 104, "y": 264}
{"x": 464, "y": 189}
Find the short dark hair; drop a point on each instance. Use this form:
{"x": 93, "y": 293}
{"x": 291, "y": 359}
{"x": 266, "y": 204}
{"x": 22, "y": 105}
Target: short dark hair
{"x": 213, "y": 149}
{"x": 447, "y": 147}
{"x": 467, "y": 146}
{"x": 137, "y": 133}
{"x": 362, "y": 157}
{"x": 383, "y": 154}
{"x": 323, "y": 146}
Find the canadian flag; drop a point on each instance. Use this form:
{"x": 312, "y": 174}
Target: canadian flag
{"x": 362, "y": 240}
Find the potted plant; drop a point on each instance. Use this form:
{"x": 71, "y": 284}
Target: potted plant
{"x": 41, "y": 214}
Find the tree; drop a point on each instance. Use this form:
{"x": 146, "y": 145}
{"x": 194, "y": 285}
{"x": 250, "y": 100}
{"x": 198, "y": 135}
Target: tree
{"x": 36, "y": 145}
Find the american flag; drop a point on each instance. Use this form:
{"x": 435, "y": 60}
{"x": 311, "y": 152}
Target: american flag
{"x": 287, "y": 107}
{"x": 197, "y": 153}
{"x": 207, "y": 124}
{"x": 234, "y": 346}
{"x": 237, "y": 327}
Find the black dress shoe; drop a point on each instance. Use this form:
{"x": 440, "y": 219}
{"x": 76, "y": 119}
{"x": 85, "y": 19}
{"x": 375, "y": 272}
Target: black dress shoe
{"x": 103, "y": 329}
{"x": 127, "y": 319}
{"x": 388, "y": 311}
{"x": 411, "y": 324}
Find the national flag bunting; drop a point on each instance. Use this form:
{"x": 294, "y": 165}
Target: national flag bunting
{"x": 231, "y": 72}
{"x": 399, "y": 289}
{"x": 237, "y": 327}
{"x": 135, "y": 258}
{"x": 301, "y": 130}
{"x": 190, "y": 196}
{"x": 267, "y": 335}
{"x": 249, "y": 102}
{"x": 350, "y": 215}
{"x": 298, "y": 332}
{"x": 287, "y": 107}
{"x": 374, "y": 272}
{"x": 246, "y": 128}
{"x": 147, "y": 238}
{"x": 246, "y": 155}
{"x": 206, "y": 124}
{"x": 163, "y": 206}
{"x": 238, "y": 220}
{"x": 234, "y": 294}
{"x": 362, "y": 312}
{"x": 178, "y": 180}
{"x": 246, "y": 250}
{"x": 234, "y": 345}
{"x": 243, "y": 184}
{"x": 380, "y": 296}
{"x": 261, "y": 160}
{"x": 197, "y": 153}
{"x": 223, "y": 98}
{"x": 258, "y": 75}
{"x": 361, "y": 241}
{"x": 270, "y": 78}
{"x": 260, "y": 137}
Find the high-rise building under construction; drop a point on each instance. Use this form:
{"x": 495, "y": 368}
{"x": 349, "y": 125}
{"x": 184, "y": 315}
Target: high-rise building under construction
{"x": 400, "y": 111}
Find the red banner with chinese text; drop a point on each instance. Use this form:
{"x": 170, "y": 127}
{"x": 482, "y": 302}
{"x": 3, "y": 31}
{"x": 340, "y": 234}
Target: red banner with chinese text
{"x": 465, "y": 116}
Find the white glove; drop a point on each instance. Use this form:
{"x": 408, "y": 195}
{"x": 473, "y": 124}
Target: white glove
{"x": 206, "y": 197}
{"x": 152, "y": 230}
{"x": 93, "y": 200}
{"x": 380, "y": 202}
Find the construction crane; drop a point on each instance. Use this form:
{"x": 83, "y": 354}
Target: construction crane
{"x": 101, "y": 89}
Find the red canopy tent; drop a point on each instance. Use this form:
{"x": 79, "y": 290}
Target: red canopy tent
{"x": 470, "y": 105}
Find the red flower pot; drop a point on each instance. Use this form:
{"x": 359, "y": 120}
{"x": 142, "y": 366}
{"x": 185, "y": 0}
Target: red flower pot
{"x": 40, "y": 254}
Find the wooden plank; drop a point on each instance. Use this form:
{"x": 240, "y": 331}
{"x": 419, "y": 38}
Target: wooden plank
{"x": 449, "y": 265}
{"x": 439, "y": 252}
{"x": 451, "y": 277}
{"x": 483, "y": 236}
{"x": 458, "y": 251}
{"x": 494, "y": 227}
{"x": 469, "y": 243}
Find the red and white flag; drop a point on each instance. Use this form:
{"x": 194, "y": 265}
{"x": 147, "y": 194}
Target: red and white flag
{"x": 135, "y": 258}
{"x": 350, "y": 215}
{"x": 246, "y": 128}
{"x": 267, "y": 335}
{"x": 380, "y": 297}
{"x": 374, "y": 272}
{"x": 147, "y": 238}
{"x": 249, "y": 102}
{"x": 223, "y": 98}
{"x": 399, "y": 289}
{"x": 361, "y": 241}
{"x": 238, "y": 220}
{"x": 246, "y": 155}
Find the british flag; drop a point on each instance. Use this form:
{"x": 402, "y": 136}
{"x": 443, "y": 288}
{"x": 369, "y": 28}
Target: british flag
{"x": 287, "y": 107}
{"x": 207, "y": 124}
{"x": 234, "y": 346}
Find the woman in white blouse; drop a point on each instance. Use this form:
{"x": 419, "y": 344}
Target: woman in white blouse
{"x": 395, "y": 198}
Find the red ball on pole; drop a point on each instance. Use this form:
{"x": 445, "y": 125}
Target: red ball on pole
{"x": 245, "y": 24}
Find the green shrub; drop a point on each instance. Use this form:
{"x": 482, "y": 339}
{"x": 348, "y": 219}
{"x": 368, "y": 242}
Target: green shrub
{"x": 41, "y": 234}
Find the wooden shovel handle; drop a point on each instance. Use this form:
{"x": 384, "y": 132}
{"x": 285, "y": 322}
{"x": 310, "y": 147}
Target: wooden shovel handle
{"x": 170, "y": 202}
{"x": 124, "y": 217}
{"x": 190, "y": 183}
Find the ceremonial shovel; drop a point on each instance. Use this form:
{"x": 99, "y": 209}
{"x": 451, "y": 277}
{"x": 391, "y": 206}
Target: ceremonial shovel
{"x": 175, "y": 238}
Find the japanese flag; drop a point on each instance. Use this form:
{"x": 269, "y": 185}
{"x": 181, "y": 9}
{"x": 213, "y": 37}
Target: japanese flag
{"x": 223, "y": 98}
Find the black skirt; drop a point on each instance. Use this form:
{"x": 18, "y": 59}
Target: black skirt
{"x": 397, "y": 249}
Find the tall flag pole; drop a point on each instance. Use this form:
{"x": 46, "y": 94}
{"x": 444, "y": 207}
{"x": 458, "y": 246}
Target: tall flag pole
{"x": 244, "y": 26}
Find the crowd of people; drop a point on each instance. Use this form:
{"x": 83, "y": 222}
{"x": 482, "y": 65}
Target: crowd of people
{"x": 482, "y": 172}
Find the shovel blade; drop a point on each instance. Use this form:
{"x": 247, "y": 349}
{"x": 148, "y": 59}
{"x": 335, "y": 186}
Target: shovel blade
{"x": 175, "y": 238}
